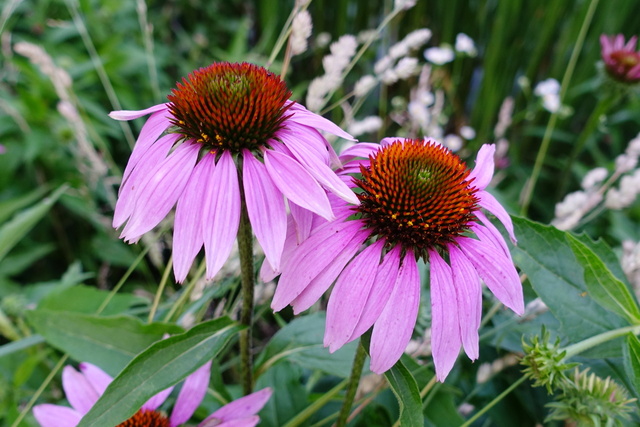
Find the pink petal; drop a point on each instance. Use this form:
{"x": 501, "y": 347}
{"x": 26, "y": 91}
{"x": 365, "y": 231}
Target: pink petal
{"x": 618, "y": 42}
{"x": 243, "y": 407}
{"x": 187, "y": 230}
{"x": 489, "y": 233}
{"x": 496, "y": 270}
{"x": 311, "y": 258}
{"x": 360, "y": 149}
{"x": 482, "y": 173}
{"x": 79, "y": 391}
{"x": 134, "y": 114}
{"x": 297, "y": 184}
{"x": 303, "y": 220}
{"x": 631, "y": 44}
{"x": 379, "y": 296}
{"x": 265, "y": 206}
{"x": 349, "y": 296}
{"x": 311, "y": 138}
{"x": 305, "y": 117}
{"x": 468, "y": 299}
{"x": 222, "y": 213}
{"x": 130, "y": 189}
{"x": 490, "y": 203}
{"x": 392, "y": 331}
{"x": 607, "y": 45}
{"x": 49, "y": 415}
{"x": 445, "y": 329}
{"x": 191, "y": 395}
{"x": 98, "y": 378}
{"x": 241, "y": 422}
{"x": 157, "y": 400}
{"x": 161, "y": 191}
{"x": 267, "y": 273}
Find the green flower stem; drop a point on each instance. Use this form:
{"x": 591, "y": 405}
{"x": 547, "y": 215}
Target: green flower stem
{"x": 185, "y": 293}
{"x": 305, "y": 414}
{"x": 546, "y": 139}
{"x": 581, "y": 346}
{"x": 493, "y": 402}
{"x": 354, "y": 380}
{"x": 160, "y": 291}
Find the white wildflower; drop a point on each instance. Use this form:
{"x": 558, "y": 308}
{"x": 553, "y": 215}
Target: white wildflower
{"x": 593, "y": 178}
{"x": 406, "y": 68}
{"x": 439, "y": 55}
{"x": 551, "y": 103}
{"x": 389, "y": 77}
{"x": 404, "y": 4}
{"x": 383, "y": 64}
{"x": 625, "y": 163}
{"x": 300, "y": 32}
{"x": 572, "y": 202}
{"x": 547, "y": 87}
{"x": 323, "y": 39}
{"x": 467, "y": 132}
{"x": 633, "y": 149}
{"x": 419, "y": 114}
{"x": 367, "y": 125}
{"x": 452, "y": 142}
{"x": 465, "y": 44}
{"x": 364, "y": 85}
{"x": 399, "y": 50}
{"x": 417, "y": 38}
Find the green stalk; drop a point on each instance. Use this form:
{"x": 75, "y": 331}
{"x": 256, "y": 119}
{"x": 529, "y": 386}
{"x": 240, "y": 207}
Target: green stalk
{"x": 354, "y": 380}
{"x": 160, "y": 291}
{"x": 494, "y": 402}
{"x": 581, "y": 346}
{"x": 306, "y": 413}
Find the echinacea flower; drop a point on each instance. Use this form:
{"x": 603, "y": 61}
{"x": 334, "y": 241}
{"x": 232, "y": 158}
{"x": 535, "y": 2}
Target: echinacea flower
{"x": 418, "y": 200}
{"x": 83, "y": 389}
{"x": 228, "y": 134}
{"x": 621, "y": 60}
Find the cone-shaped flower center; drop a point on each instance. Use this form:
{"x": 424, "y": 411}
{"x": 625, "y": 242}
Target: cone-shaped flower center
{"x": 626, "y": 59}
{"x": 229, "y": 106}
{"x": 415, "y": 194}
{"x": 145, "y": 418}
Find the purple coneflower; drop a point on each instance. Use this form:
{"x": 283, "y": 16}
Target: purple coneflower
{"x": 228, "y": 134}
{"x": 417, "y": 200}
{"x": 83, "y": 389}
{"x": 621, "y": 60}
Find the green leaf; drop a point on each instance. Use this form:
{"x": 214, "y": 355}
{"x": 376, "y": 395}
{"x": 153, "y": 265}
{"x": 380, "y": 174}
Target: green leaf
{"x": 406, "y": 390}
{"x": 631, "y": 360}
{"x": 108, "y": 342}
{"x": 289, "y": 397}
{"x": 87, "y": 299}
{"x": 162, "y": 365}
{"x": 13, "y": 231}
{"x": 9, "y": 207}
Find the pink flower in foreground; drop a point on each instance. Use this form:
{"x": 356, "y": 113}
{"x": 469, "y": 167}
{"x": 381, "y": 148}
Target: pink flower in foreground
{"x": 83, "y": 389}
{"x": 621, "y": 60}
{"x": 228, "y": 133}
{"x": 418, "y": 200}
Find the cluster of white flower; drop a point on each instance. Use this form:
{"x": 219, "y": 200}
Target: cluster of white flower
{"x": 629, "y": 188}
{"x": 631, "y": 263}
{"x": 301, "y": 28}
{"x": 439, "y": 55}
{"x": 465, "y": 45}
{"x": 366, "y": 125}
{"x": 549, "y": 91}
{"x": 396, "y": 65}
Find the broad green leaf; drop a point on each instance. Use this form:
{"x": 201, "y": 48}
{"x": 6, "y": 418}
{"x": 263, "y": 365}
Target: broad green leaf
{"x": 289, "y": 397}
{"x": 11, "y": 206}
{"x": 108, "y": 342}
{"x": 13, "y": 231}
{"x": 24, "y": 343}
{"x": 162, "y": 365}
{"x": 601, "y": 284}
{"x": 631, "y": 359}
{"x": 406, "y": 390}
{"x": 86, "y": 299}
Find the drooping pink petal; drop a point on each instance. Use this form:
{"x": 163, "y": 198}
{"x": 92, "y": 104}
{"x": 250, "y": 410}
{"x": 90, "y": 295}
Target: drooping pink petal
{"x": 98, "y": 378}
{"x": 381, "y": 291}
{"x": 489, "y": 233}
{"x": 315, "y": 142}
{"x": 242, "y": 407}
{"x": 267, "y": 273}
{"x": 445, "y": 329}
{"x": 310, "y": 259}
{"x": 469, "y": 300}
{"x": 157, "y": 400}
{"x": 187, "y": 230}
{"x": 161, "y": 191}
{"x": 78, "y": 390}
{"x": 303, "y": 219}
{"x": 392, "y": 331}
{"x": 222, "y": 213}
{"x": 305, "y": 117}
{"x": 349, "y": 296}
{"x": 360, "y": 149}
{"x": 482, "y": 173}
{"x": 265, "y": 206}
{"x": 134, "y": 114}
{"x": 130, "y": 190}
{"x": 191, "y": 395}
{"x": 490, "y": 203}
{"x": 49, "y": 415}
{"x": 297, "y": 184}
{"x": 241, "y": 422}
{"x": 496, "y": 270}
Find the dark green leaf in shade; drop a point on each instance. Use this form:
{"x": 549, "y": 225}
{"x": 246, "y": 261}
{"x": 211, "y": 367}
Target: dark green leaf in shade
{"x": 87, "y": 299}
{"x": 405, "y": 388}
{"x": 289, "y": 397}
{"x": 631, "y": 359}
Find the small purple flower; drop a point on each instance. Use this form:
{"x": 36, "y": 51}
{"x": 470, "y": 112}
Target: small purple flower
{"x": 84, "y": 388}
{"x": 417, "y": 200}
{"x": 621, "y": 60}
{"x": 228, "y": 130}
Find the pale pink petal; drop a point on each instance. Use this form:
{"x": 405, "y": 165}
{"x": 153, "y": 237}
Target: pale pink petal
{"x": 490, "y": 203}
{"x": 392, "y": 331}
{"x": 311, "y": 138}
{"x": 49, "y": 415}
{"x": 490, "y": 233}
{"x": 79, "y": 391}
{"x": 303, "y": 220}
{"x": 496, "y": 270}
{"x": 222, "y": 213}
{"x": 297, "y": 184}
{"x": 305, "y": 117}
{"x": 240, "y": 422}
{"x": 267, "y": 273}
{"x": 482, "y": 173}
{"x": 161, "y": 191}
{"x": 134, "y": 114}
{"x": 243, "y": 407}
{"x": 618, "y": 42}
{"x": 157, "y": 400}
{"x": 191, "y": 395}
{"x": 129, "y": 190}
{"x": 98, "y": 378}
{"x": 379, "y": 296}
{"x": 607, "y": 45}
{"x": 187, "y": 230}
{"x": 349, "y": 296}
{"x": 445, "y": 329}
{"x": 469, "y": 300}
{"x": 631, "y": 44}
{"x": 265, "y": 206}
{"x": 361, "y": 149}
{"x": 310, "y": 259}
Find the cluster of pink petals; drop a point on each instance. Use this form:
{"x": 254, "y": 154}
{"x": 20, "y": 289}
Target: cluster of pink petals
{"x": 165, "y": 170}
{"x": 621, "y": 60}
{"x": 83, "y": 389}
{"x": 374, "y": 288}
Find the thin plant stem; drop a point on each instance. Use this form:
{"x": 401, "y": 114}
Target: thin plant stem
{"x": 147, "y": 37}
{"x": 584, "y": 345}
{"x": 493, "y": 402}
{"x": 284, "y": 34}
{"x": 185, "y": 294}
{"x": 432, "y": 382}
{"x": 354, "y": 380}
{"x": 160, "y": 291}
{"x": 307, "y": 412}
{"x": 123, "y": 280}
{"x": 546, "y": 139}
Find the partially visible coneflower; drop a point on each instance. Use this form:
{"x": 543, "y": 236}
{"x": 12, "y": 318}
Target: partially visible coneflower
{"x": 621, "y": 60}
{"x": 84, "y": 388}
{"x": 418, "y": 200}
{"x": 229, "y": 131}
